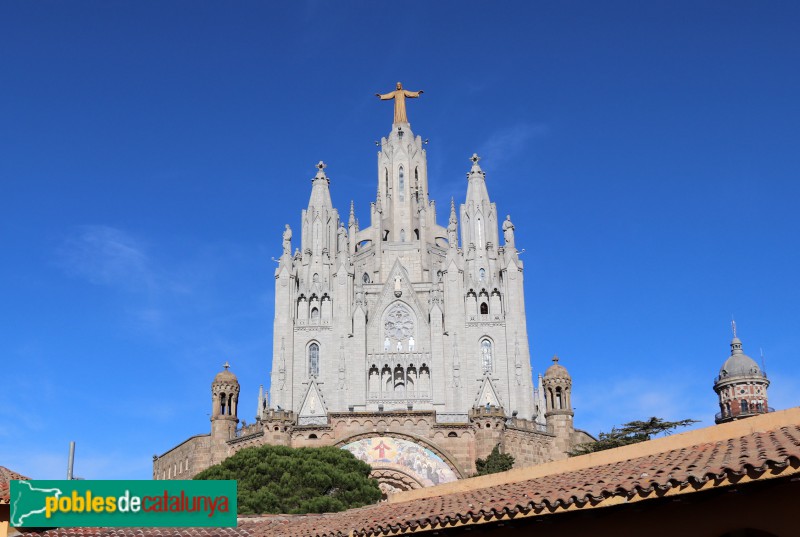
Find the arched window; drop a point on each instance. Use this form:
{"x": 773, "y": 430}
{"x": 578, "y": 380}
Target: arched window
{"x": 482, "y": 274}
{"x": 402, "y": 235}
{"x": 484, "y": 308}
{"x": 744, "y": 406}
{"x": 315, "y": 314}
{"x": 313, "y": 360}
{"x": 416, "y": 234}
{"x": 365, "y": 278}
{"x": 486, "y": 354}
{"x": 559, "y": 399}
{"x": 315, "y": 278}
{"x": 401, "y": 184}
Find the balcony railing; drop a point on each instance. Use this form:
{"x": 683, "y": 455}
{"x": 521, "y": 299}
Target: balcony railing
{"x": 743, "y": 414}
{"x": 761, "y": 374}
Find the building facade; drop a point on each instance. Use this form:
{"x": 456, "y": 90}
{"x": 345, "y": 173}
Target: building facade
{"x": 741, "y": 386}
{"x": 404, "y": 341}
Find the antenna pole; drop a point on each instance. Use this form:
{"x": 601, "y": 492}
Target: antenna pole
{"x": 71, "y": 460}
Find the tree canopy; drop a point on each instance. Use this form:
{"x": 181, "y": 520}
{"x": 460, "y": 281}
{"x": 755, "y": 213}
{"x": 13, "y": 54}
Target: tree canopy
{"x": 495, "y": 462}
{"x": 280, "y": 479}
{"x": 630, "y": 433}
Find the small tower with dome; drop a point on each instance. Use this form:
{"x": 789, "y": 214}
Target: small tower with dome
{"x": 224, "y": 405}
{"x": 741, "y": 385}
{"x": 557, "y": 385}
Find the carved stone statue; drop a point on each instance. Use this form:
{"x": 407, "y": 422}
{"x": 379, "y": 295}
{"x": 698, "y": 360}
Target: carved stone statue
{"x": 386, "y": 344}
{"x": 287, "y": 240}
{"x": 399, "y": 96}
{"x": 508, "y": 232}
{"x": 411, "y": 344}
{"x": 341, "y": 236}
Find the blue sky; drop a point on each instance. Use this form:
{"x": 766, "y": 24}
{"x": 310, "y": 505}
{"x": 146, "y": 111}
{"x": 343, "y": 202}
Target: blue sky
{"x": 151, "y": 152}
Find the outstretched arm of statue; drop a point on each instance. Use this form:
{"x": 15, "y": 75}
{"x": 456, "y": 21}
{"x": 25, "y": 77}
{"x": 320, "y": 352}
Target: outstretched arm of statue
{"x": 385, "y": 96}
{"x": 413, "y": 93}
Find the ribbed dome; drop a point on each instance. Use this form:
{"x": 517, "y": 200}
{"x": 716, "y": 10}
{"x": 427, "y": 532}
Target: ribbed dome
{"x": 225, "y": 375}
{"x": 556, "y": 370}
{"x": 739, "y": 364}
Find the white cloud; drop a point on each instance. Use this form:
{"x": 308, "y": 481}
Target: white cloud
{"x": 505, "y": 144}
{"x": 105, "y": 255}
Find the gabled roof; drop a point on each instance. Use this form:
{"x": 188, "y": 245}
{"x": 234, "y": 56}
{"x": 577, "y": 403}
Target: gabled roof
{"x": 761, "y": 448}
{"x": 6, "y": 476}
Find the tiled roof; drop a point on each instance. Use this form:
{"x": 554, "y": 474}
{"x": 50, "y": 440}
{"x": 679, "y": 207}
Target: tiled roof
{"x": 6, "y": 476}
{"x": 762, "y": 448}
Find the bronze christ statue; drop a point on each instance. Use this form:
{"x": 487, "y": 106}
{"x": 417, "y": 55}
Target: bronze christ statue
{"x": 399, "y": 95}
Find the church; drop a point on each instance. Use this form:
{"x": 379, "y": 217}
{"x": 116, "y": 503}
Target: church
{"x": 404, "y": 341}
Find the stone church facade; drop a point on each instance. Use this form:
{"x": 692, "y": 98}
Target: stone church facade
{"x": 404, "y": 342}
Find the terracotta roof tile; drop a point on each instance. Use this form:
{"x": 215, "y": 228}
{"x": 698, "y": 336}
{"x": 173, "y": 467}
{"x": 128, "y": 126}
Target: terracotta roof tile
{"x": 688, "y": 464}
{"x": 6, "y": 476}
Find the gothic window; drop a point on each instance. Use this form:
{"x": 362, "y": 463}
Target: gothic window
{"x": 398, "y": 323}
{"x": 315, "y": 278}
{"x": 222, "y": 403}
{"x": 486, "y": 354}
{"x": 315, "y": 314}
{"x": 365, "y": 278}
{"x": 313, "y": 360}
{"x": 482, "y": 274}
{"x": 402, "y": 235}
{"x": 484, "y": 308}
{"x": 401, "y": 184}
{"x": 416, "y": 234}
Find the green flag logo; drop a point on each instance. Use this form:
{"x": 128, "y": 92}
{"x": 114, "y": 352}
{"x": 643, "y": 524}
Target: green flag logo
{"x": 72, "y": 504}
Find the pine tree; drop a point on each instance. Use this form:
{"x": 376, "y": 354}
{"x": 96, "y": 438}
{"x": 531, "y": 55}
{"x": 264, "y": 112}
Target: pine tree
{"x": 630, "y": 433}
{"x": 495, "y": 462}
{"x": 279, "y": 479}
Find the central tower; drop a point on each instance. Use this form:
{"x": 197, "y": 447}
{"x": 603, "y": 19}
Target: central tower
{"x": 398, "y": 315}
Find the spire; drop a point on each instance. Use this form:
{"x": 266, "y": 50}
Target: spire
{"x": 352, "y": 220}
{"x": 736, "y": 343}
{"x": 453, "y": 219}
{"x": 378, "y": 206}
{"x": 320, "y": 194}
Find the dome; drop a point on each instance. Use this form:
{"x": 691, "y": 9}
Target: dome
{"x": 739, "y": 364}
{"x": 556, "y": 370}
{"x": 225, "y": 375}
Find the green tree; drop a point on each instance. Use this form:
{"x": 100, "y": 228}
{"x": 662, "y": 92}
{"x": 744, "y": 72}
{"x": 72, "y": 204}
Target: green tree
{"x": 279, "y": 479}
{"x": 630, "y": 433}
{"x": 495, "y": 462}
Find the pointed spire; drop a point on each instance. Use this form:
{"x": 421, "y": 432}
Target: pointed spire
{"x": 736, "y": 343}
{"x": 453, "y": 219}
{"x": 352, "y": 220}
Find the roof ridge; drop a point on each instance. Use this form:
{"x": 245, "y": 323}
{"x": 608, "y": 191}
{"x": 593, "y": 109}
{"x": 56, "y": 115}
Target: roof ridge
{"x": 686, "y": 440}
